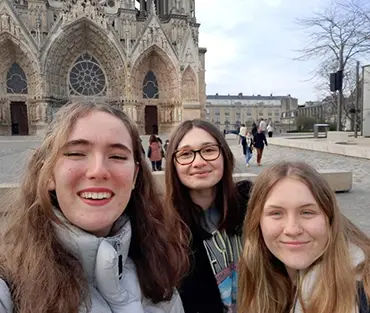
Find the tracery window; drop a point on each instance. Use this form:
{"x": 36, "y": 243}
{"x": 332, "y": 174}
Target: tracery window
{"x": 150, "y": 86}
{"x": 16, "y": 80}
{"x": 87, "y": 78}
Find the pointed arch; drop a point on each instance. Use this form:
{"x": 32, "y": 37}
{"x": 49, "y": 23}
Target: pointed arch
{"x": 14, "y": 51}
{"x": 71, "y": 42}
{"x": 150, "y": 86}
{"x": 16, "y": 80}
{"x": 189, "y": 86}
{"x": 86, "y": 77}
{"x": 154, "y": 59}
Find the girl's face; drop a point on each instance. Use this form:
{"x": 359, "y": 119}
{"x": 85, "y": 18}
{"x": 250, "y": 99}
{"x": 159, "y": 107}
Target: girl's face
{"x": 95, "y": 173}
{"x": 295, "y": 229}
{"x": 199, "y": 174}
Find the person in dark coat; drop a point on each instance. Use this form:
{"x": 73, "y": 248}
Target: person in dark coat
{"x": 200, "y": 187}
{"x": 259, "y": 143}
{"x": 254, "y": 129}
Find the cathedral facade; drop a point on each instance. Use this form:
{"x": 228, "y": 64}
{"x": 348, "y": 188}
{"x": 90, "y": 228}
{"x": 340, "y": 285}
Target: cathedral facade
{"x": 141, "y": 55}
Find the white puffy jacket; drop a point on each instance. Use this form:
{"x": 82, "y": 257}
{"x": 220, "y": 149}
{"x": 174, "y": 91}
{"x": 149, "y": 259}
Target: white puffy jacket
{"x": 99, "y": 258}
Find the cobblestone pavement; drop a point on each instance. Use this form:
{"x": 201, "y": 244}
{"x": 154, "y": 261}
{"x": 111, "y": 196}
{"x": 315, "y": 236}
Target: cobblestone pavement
{"x": 355, "y": 204}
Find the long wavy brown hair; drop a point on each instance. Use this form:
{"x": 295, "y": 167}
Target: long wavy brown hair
{"x": 42, "y": 274}
{"x": 264, "y": 284}
{"x": 177, "y": 196}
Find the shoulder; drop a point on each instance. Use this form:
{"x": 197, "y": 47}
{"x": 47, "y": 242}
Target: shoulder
{"x": 6, "y": 304}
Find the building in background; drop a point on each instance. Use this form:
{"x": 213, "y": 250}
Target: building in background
{"x": 227, "y": 112}
{"x": 141, "y": 55}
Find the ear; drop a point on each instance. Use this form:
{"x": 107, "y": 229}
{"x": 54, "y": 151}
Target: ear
{"x": 51, "y": 184}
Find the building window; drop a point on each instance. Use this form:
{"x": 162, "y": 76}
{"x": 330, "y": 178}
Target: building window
{"x": 227, "y": 113}
{"x": 277, "y": 114}
{"x": 150, "y": 86}
{"x": 269, "y": 114}
{"x": 237, "y": 115}
{"x": 86, "y": 77}
{"x": 261, "y": 114}
{"x": 217, "y": 113}
{"x": 16, "y": 81}
{"x": 249, "y": 114}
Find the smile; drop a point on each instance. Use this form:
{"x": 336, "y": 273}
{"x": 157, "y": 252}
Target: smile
{"x": 295, "y": 244}
{"x": 201, "y": 173}
{"x": 96, "y": 196}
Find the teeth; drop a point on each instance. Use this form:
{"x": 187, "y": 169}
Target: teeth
{"x": 96, "y": 195}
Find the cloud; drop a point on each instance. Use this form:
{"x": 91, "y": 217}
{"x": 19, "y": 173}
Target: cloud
{"x": 251, "y": 45}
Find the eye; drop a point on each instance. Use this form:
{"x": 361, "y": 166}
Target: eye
{"x": 73, "y": 154}
{"x": 184, "y": 154}
{"x": 308, "y": 213}
{"x": 118, "y": 157}
{"x": 276, "y": 213}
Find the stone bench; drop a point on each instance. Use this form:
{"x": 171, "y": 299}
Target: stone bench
{"x": 339, "y": 181}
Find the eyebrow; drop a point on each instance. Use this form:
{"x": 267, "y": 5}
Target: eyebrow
{"x": 201, "y": 145}
{"x": 306, "y": 205}
{"x": 84, "y": 142}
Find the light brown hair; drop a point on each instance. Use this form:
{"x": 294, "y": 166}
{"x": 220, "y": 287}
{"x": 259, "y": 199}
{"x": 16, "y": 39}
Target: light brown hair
{"x": 264, "y": 284}
{"x": 42, "y": 274}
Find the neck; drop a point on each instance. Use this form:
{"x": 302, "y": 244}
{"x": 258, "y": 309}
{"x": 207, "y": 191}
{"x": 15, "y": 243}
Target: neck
{"x": 204, "y": 198}
{"x": 292, "y": 274}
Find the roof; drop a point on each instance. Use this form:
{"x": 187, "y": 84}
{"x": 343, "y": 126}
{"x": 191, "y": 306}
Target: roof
{"x": 245, "y": 97}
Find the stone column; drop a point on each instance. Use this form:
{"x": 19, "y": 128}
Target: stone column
{"x": 149, "y": 6}
{"x": 142, "y": 6}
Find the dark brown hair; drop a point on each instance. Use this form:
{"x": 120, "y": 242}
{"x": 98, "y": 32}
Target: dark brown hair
{"x": 227, "y": 199}
{"x": 44, "y": 276}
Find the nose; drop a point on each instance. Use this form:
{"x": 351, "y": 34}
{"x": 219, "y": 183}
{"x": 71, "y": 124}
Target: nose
{"x": 199, "y": 161}
{"x": 97, "y": 168}
{"x": 293, "y": 227}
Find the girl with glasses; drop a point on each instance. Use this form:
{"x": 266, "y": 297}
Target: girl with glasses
{"x": 199, "y": 185}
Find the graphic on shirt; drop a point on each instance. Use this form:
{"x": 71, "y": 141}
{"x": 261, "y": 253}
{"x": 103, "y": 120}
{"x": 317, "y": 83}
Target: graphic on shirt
{"x": 223, "y": 253}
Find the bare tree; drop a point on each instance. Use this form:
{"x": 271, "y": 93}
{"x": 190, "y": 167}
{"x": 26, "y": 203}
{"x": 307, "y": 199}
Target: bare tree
{"x": 337, "y": 36}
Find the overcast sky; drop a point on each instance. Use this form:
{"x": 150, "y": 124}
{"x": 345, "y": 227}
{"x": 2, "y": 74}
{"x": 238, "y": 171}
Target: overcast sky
{"x": 251, "y": 45}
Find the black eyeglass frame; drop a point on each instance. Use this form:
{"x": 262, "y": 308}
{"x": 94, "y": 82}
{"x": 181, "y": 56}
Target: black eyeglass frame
{"x": 200, "y": 153}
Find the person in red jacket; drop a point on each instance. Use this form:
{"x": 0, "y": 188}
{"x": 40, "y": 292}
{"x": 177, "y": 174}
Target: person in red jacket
{"x": 155, "y": 153}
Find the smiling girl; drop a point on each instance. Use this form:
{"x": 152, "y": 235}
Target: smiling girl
{"x": 86, "y": 231}
{"x": 300, "y": 253}
{"x": 199, "y": 185}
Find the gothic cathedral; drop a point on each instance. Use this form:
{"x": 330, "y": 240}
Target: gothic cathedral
{"x": 142, "y": 55}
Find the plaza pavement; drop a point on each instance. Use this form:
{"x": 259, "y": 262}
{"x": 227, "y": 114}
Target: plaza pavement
{"x": 355, "y": 204}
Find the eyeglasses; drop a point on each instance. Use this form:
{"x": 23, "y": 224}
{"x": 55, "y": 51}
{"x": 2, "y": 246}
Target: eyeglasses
{"x": 207, "y": 153}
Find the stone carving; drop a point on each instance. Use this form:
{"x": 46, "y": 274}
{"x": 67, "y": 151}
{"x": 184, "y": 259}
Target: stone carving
{"x": 116, "y": 38}
{"x": 189, "y": 86}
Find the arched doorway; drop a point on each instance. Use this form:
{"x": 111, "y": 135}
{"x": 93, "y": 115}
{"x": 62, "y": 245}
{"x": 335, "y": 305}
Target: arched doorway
{"x": 151, "y": 91}
{"x": 19, "y": 118}
{"x": 151, "y": 120}
{"x": 16, "y": 83}
{"x": 155, "y": 83}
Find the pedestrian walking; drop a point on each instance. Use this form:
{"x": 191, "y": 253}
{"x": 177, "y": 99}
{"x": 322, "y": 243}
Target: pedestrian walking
{"x": 259, "y": 142}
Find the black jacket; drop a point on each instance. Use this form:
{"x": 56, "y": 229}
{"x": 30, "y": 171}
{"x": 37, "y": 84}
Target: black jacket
{"x": 259, "y": 140}
{"x": 199, "y": 291}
